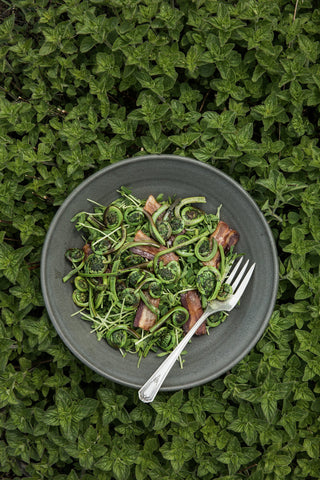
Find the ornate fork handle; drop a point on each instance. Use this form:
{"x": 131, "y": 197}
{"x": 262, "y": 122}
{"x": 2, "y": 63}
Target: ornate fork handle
{"x": 150, "y": 389}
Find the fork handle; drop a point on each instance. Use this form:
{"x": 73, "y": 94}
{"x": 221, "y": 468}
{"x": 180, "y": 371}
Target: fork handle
{"x": 150, "y": 389}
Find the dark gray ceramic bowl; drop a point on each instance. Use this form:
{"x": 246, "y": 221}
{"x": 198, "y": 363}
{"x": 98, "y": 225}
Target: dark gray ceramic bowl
{"x": 208, "y": 357}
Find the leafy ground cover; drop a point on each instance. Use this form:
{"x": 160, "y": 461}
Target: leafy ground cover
{"x": 85, "y": 83}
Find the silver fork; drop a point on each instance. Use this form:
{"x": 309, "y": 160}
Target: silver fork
{"x": 150, "y": 389}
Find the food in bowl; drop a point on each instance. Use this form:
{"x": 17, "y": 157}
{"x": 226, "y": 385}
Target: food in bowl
{"x": 148, "y": 268}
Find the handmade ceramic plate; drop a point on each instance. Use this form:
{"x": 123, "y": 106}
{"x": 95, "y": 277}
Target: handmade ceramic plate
{"x": 208, "y": 356}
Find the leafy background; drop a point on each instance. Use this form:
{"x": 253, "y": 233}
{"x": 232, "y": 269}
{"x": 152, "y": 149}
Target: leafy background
{"x": 85, "y": 83}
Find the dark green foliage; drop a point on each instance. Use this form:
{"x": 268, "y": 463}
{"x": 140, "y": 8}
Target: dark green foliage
{"x": 85, "y": 83}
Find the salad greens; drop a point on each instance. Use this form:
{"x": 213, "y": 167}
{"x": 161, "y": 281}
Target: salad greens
{"x": 136, "y": 263}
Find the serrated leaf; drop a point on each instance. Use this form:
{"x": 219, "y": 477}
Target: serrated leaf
{"x": 104, "y": 464}
{"x": 11, "y": 261}
{"x": 308, "y": 47}
{"x": 184, "y": 139}
{"x": 269, "y": 407}
{"x": 121, "y": 470}
{"x": 51, "y": 417}
{"x": 312, "y": 447}
{"x": 47, "y": 48}
{"x": 303, "y": 292}
{"x": 155, "y": 130}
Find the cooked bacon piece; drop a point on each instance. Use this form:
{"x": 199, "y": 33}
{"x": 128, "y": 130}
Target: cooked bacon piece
{"x": 149, "y": 252}
{"x": 232, "y": 239}
{"x": 87, "y": 250}
{"x": 144, "y": 318}
{"x": 191, "y": 301}
{"x": 142, "y": 252}
{"x": 220, "y": 232}
{"x": 224, "y": 236}
{"x": 151, "y": 205}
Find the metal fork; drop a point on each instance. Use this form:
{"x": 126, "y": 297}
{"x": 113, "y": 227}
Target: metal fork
{"x": 150, "y": 389}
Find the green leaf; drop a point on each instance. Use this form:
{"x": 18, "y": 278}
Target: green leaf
{"x": 11, "y": 261}
{"x": 38, "y": 327}
{"x": 303, "y": 292}
{"x": 184, "y": 139}
{"x": 51, "y": 417}
{"x": 178, "y": 452}
{"x": 312, "y": 447}
{"x": 121, "y": 470}
{"x": 47, "y": 48}
{"x": 169, "y": 411}
{"x": 27, "y": 293}
{"x": 155, "y": 130}
{"x": 86, "y": 44}
{"x": 7, "y": 26}
{"x": 309, "y": 48}
{"x": 28, "y": 227}
{"x": 269, "y": 407}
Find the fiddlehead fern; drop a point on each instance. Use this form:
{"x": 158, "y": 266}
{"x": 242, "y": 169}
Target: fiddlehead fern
{"x": 208, "y": 282}
{"x": 191, "y": 215}
{"x": 224, "y": 292}
{"x": 81, "y": 299}
{"x": 81, "y": 284}
{"x": 183, "y": 250}
{"x": 177, "y": 225}
{"x": 179, "y": 316}
{"x": 112, "y": 217}
{"x": 117, "y": 336}
{"x": 155, "y": 288}
{"x": 165, "y": 339}
{"x": 164, "y": 229}
{"x": 134, "y": 216}
{"x": 129, "y": 298}
{"x": 187, "y": 201}
{"x": 74, "y": 255}
{"x": 169, "y": 273}
{"x": 135, "y": 277}
{"x": 205, "y": 249}
{"x": 96, "y": 264}
{"x": 101, "y": 247}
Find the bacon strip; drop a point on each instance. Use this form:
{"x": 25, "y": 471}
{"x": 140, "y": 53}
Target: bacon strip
{"x": 225, "y": 236}
{"x": 191, "y": 301}
{"x": 144, "y": 318}
{"x": 151, "y": 205}
{"x": 87, "y": 250}
{"x": 149, "y": 252}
